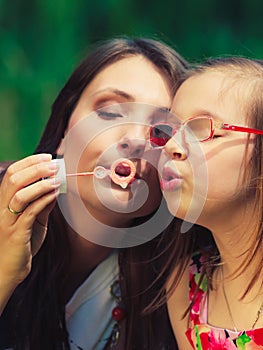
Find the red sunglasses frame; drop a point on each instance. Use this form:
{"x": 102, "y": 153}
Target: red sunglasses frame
{"x": 224, "y": 126}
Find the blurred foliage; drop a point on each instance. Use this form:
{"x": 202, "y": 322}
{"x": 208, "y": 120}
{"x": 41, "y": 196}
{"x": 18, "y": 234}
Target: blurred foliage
{"x": 41, "y": 41}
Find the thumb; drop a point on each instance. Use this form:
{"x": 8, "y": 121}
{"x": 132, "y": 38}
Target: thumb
{"x": 39, "y": 230}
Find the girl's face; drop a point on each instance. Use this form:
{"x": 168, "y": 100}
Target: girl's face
{"x": 204, "y": 178}
{"x": 110, "y": 122}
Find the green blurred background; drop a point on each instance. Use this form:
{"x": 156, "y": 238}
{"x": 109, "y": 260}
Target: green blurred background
{"x": 41, "y": 41}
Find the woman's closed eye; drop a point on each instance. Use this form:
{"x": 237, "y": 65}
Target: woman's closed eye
{"x": 109, "y": 115}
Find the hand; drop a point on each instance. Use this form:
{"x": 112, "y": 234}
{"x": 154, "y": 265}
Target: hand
{"x": 23, "y": 225}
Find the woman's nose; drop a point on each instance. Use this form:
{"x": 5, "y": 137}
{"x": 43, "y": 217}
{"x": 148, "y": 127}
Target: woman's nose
{"x": 175, "y": 149}
{"x": 133, "y": 142}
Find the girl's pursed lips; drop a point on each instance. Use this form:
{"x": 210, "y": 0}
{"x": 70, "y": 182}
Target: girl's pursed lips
{"x": 170, "y": 179}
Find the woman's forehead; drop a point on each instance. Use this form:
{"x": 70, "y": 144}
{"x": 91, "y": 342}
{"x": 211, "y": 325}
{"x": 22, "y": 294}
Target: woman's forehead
{"x": 136, "y": 76}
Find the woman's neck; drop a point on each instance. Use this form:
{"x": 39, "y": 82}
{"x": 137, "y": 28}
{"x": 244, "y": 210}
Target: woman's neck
{"x": 85, "y": 256}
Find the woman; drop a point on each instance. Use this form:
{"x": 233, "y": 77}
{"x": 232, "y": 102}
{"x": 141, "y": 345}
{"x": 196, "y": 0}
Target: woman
{"x": 53, "y": 306}
{"x": 217, "y": 112}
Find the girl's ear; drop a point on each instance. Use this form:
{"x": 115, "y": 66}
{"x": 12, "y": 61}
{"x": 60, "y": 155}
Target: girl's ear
{"x": 61, "y": 148}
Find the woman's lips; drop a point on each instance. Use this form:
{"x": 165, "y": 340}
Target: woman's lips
{"x": 121, "y": 172}
{"x": 170, "y": 180}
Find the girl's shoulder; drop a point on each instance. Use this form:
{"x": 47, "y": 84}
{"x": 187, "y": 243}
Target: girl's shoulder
{"x": 206, "y": 337}
{"x": 202, "y": 335}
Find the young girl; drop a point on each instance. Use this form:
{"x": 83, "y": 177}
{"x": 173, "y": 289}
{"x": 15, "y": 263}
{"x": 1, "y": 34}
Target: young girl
{"x": 216, "y": 292}
{"x": 65, "y": 287}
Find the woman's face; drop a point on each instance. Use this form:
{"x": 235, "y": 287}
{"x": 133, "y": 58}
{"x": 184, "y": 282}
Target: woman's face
{"x": 127, "y": 97}
{"x": 202, "y": 180}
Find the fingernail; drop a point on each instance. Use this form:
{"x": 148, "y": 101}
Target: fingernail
{"x": 53, "y": 165}
{"x": 45, "y": 157}
{"x": 55, "y": 181}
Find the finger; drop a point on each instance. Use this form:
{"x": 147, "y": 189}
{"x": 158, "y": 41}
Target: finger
{"x": 25, "y": 196}
{"x": 29, "y": 161}
{"x": 23, "y": 233}
{"x": 45, "y": 203}
{"x": 38, "y": 236}
{"x": 16, "y": 167}
{"x": 24, "y": 177}
{"x": 42, "y": 197}
{"x": 15, "y": 181}
{"x": 13, "y": 211}
{"x": 22, "y": 228}
{"x": 43, "y": 216}
{"x": 40, "y": 228}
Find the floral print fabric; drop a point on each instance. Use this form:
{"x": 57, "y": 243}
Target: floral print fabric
{"x": 201, "y": 335}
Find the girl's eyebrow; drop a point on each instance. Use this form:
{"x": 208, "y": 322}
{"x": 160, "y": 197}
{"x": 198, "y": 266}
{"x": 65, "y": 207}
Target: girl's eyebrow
{"x": 206, "y": 112}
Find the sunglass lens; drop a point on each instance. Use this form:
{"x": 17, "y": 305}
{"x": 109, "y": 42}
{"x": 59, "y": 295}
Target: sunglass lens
{"x": 160, "y": 134}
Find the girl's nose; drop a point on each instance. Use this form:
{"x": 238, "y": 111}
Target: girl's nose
{"x": 175, "y": 149}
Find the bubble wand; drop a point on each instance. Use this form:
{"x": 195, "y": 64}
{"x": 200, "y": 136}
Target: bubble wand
{"x": 122, "y": 173}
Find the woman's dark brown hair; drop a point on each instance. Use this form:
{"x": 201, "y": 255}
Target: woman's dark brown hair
{"x": 35, "y": 316}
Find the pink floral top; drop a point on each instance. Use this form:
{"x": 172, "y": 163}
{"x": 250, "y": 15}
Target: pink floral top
{"x": 201, "y": 335}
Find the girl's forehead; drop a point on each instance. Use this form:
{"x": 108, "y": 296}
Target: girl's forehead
{"x": 210, "y": 93}
{"x": 198, "y": 89}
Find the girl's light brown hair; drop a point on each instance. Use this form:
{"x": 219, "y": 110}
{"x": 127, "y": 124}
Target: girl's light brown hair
{"x": 246, "y": 75}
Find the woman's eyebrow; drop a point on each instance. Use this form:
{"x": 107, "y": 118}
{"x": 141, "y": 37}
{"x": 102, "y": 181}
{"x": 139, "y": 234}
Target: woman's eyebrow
{"x": 108, "y": 92}
{"x": 114, "y": 91}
